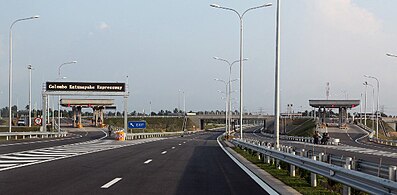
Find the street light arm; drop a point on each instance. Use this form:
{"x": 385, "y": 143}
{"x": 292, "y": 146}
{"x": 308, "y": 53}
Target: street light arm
{"x": 252, "y": 8}
{"x": 59, "y": 68}
{"x": 391, "y": 55}
{"x": 29, "y": 18}
{"x": 221, "y": 59}
{"x": 226, "y": 8}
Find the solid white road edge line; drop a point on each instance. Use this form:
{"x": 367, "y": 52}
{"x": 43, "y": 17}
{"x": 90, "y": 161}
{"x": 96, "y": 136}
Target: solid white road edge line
{"x": 259, "y": 181}
{"x": 148, "y": 161}
{"x": 110, "y": 183}
{"x": 164, "y": 152}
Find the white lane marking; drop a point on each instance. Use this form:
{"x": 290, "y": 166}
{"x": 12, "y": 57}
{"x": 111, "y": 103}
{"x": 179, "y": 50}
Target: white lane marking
{"x": 110, "y": 183}
{"x": 184, "y": 142}
{"x": 179, "y": 144}
{"x": 17, "y": 161}
{"x": 259, "y": 181}
{"x": 164, "y": 152}
{"x": 173, "y": 148}
{"x": 6, "y": 165}
{"x": 148, "y": 161}
{"x": 25, "y": 157}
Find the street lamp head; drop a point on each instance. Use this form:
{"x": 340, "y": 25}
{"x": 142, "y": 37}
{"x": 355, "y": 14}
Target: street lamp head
{"x": 29, "y": 66}
{"x": 74, "y": 61}
{"x": 245, "y": 59}
{"x": 34, "y": 17}
{"x": 215, "y": 5}
{"x": 268, "y": 4}
{"x": 216, "y": 58}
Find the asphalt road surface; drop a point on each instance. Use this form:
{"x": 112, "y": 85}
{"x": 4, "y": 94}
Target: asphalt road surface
{"x": 193, "y": 164}
{"x": 77, "y": 135}
{"x": 361, "y": 149}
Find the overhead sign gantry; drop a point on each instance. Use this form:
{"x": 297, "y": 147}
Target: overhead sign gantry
{"x": 84, "y": 89}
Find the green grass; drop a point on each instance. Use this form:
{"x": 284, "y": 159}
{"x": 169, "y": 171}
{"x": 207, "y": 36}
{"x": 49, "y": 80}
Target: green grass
{"x": 301, "y": 182}
{"x": 306, "y": 128}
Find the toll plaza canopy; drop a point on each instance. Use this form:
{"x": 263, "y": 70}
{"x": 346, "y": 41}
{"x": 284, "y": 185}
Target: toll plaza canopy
{"x": 341, "y": 105}
{"x": 87, "y": 102}
{"x": 334, "y": 103}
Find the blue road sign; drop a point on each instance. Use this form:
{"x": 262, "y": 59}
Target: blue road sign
{"x": 137, "y": 124}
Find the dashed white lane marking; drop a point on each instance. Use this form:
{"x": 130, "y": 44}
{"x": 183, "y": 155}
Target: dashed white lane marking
{"x": 164, "y": 152}
{"x": 173, "y": 148}
{"x": 179, "y": 144}
{"x": 184, "y": 142}
{"x": 110, "y": 183}
{"x": 148, "y": 161}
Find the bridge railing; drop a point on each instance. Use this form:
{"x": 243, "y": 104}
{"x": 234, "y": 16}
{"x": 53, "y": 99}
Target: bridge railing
{"x": 351, "y": 178}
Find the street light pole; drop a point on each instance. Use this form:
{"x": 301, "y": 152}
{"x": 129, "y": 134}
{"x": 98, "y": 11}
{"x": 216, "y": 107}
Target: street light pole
{"x": 228, "y": 117}
{"x": 30, "y": 95}
{"x": 59, "y": 97}
{"x": 241, "y": 54}
{"x": 10, "y": 72}
{"x": 277, "y": 77}
{"x": 365, "y": 106}
{"x": 377, "y": 103}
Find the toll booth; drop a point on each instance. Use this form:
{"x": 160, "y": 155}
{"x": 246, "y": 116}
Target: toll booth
{"x": 98, "y": 106}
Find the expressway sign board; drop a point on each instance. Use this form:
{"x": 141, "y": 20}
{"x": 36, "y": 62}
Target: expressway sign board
{"x": 85, "y": 86}
{"x": 137, "y": 124}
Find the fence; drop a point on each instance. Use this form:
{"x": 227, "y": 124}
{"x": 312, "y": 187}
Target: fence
{"x": 24, "y": 135}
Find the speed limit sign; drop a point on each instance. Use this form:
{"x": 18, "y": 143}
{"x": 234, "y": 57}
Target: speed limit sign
{"x": 37, "y": 121}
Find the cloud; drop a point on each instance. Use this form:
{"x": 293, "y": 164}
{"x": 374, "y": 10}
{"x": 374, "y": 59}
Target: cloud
{"x": 346, "y": 16}
{"x": 103, "y": 26}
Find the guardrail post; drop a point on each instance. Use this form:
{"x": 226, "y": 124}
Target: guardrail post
{"x": 347, "y": 189}
{"x": 392, "y": 173}
{"x": 292, "y": 167}
{"x": 278, "y": 161}
{"x": 313, "y": 176}
{"x": 321, "y": 157}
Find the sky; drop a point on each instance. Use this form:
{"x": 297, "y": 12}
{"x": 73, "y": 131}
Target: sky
{"x": 165, "y": 47}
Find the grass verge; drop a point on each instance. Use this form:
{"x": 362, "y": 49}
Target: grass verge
{"x": 301, "y": 182}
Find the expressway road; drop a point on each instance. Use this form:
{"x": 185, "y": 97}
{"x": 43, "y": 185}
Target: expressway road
{"x": 351, "y": 146}
{"x": 193, "y": 164}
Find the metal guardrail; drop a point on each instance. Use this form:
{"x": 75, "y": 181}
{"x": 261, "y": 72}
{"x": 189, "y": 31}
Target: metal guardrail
{"x": 358, "y": 180}
{"x": 132, "y": 136}
{"x": 24, "y": 135}
{"x": 385, "y": 142}
{"x": 332, "y": 141}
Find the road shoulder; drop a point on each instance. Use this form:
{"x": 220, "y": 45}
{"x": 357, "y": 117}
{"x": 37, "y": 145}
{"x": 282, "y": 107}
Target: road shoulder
{"x": 276, "y": 184}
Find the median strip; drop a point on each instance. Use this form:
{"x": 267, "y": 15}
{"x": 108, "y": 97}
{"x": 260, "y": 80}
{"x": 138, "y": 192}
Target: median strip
{"x": 110, "y": 183}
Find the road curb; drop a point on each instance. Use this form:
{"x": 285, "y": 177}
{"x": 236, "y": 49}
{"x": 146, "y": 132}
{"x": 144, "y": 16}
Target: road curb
{"x": 271, "y": 181}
